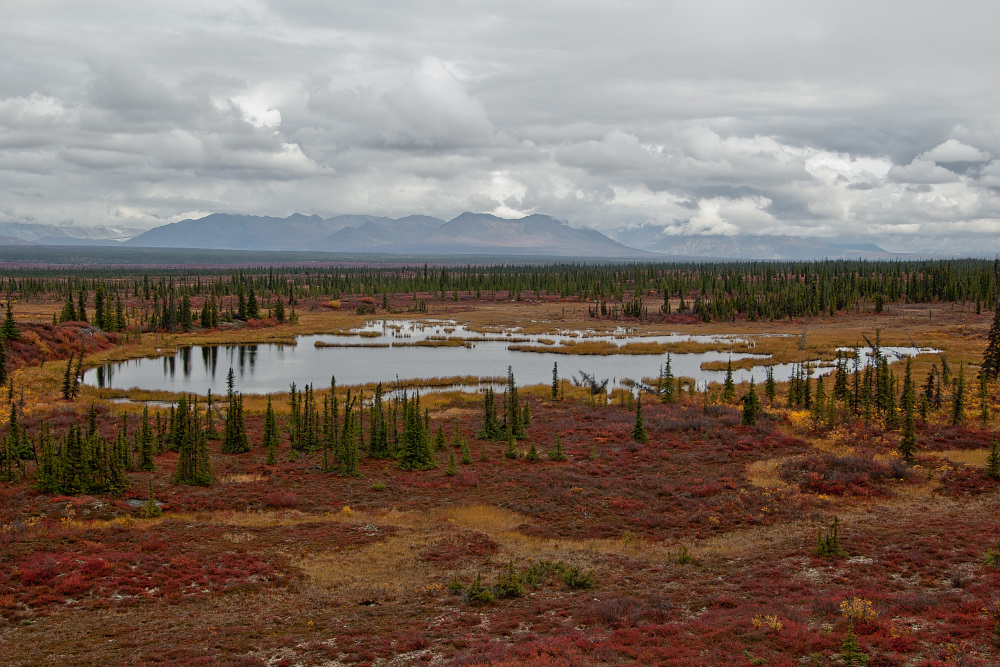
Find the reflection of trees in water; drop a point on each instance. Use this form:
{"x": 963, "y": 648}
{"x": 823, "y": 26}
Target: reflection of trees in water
{"x": 210, "y": 359}
{"x": 185, "y": 354}
{"x": 169, "y": 366}
{"x": 104, "y": 375}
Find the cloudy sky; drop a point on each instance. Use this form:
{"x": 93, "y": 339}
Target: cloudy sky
{"x": 823, "y": 119}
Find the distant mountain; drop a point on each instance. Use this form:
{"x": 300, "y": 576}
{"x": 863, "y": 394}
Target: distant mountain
{"x": 484, "y": 234}
{"x": 381, "y": 235}
{"x": 748, "y": 246}
{"x": 468, "y": 234}
{"x": 224, "y": 231}
{"x": 28, "y": 233}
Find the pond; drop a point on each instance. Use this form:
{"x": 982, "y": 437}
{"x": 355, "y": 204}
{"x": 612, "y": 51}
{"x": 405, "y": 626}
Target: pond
{"x": 387, "y": 350}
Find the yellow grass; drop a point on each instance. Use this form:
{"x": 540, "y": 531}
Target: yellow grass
{"x": 486, "y": 518}
{"x": 766, "y": 474}
{"x": 973, "y": 457}
{"x": 241, "y": 478}
{"x": 388, "y": 568}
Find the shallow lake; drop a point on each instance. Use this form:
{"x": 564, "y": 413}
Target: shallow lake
{"x": 383, "y": 351}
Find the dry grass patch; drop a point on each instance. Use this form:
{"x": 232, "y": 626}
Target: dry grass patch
{"x": 390, "y": 568}
{"x": 767, "y": 473}
{"x": 241, "y": 478}
{"x": 973, "y": 457}
{"x": 486, "y": 518}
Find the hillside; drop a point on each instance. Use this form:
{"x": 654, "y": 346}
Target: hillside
{"x": 468, "y": 234}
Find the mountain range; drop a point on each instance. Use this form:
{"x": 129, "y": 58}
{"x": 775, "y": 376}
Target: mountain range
{"x": 30, "y": 233}
{"x": 468, "y": 234}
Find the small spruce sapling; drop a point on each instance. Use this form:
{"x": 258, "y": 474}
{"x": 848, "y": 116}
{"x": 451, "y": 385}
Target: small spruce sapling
{"x": 478, "y": 594}
{"x": 556, "y": 454}
{"x": 511, "y": 451}
{"x": 532, "y": 454}
{"x": 639, "y": 433}
{"x": 151, "y": 509}
{"x": 508, "y": 583}
{"x": 828, "y": 546}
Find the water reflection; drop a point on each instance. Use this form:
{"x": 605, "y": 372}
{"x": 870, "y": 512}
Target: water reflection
{"x": 368, "y": 355}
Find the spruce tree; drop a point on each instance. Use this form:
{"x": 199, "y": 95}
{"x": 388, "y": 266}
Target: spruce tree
{"x": 144, "y": 442}
{"x": 770, "y": 388}
{"x": 347, "y": 451}
{"x": 958, "y": 397}
{"x": 991, "y": 356}
{"x": 234, "y": 437}
{"x": 205, "y": 319}
{"x": 665, "y": 387}
{"x": 67, "y": 389}
{"x": 68, "y": 313}
{"x": 253, "y": 308}
{"x": 510, "y": 451}
{"x": 210, "y": 431}
{"x": 908, "y": 441}
{"x": 99, "y": 314}
{"x": 3, "y": 362}
{"x": 416, "y": 454}
{"x": 639, "y": 430}
{"x": 451, "y": 469}
{"x": 818, "y": 409}
{"x": 121, "y": 323}
{"x": 729, "y": 387}
{"x": 193, "y": 463}
{"x": 439, "y": 440}
{"x": 993, "y": 460}
{"x": 555, "y": 381}
{"x": 491, "y": 429}
{"x": 81, "y": 311}
{"x": 270, "y": 436}
{"x": 513, "y": 420}
{"x": 556, "y": 454}
{"x": 48, "y": 472}
{"x": 532, "y": 454}
{"x": 9, "y": 330}
{"x": 751, "y": 405}
{"x": 76, "y": 375}
{"x": 378, "y": 445}
{"x": 241, "y": 303}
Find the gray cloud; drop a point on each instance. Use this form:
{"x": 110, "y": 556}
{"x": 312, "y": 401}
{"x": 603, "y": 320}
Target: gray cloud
{"x": 713, "y": 117}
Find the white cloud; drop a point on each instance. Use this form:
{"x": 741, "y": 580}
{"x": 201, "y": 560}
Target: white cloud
{"x": 955, "y": 151}
{"x": 921, "y": 171}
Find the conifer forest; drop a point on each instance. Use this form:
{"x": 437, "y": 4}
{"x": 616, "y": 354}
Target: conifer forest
{"x": 824, "y": 490}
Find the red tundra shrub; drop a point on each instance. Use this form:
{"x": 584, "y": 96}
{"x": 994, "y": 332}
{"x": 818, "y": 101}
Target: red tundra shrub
{"x": 281, "y": 499}
{"x": 39, "y": 569}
